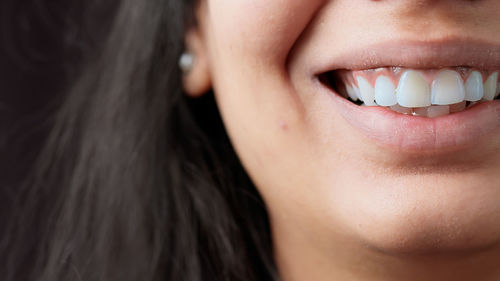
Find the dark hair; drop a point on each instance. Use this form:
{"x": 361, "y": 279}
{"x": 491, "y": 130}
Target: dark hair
{"x": 136, "y": 181}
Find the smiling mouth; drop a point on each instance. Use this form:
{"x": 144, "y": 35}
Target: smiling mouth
{"x": 417, "y": 92}
{"x": 438, "y": 96}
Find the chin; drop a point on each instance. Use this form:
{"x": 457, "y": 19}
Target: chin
{"x": 427, "y": 215}
{"x": 432, "y": 239}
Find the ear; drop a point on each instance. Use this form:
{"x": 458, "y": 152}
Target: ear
{"x": 197, "y": 81}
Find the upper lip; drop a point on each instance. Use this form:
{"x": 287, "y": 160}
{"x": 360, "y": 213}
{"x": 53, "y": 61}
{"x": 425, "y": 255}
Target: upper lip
{"x": 451, "y": 52}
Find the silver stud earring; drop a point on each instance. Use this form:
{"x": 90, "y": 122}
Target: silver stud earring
{"x": 186, "y": 62}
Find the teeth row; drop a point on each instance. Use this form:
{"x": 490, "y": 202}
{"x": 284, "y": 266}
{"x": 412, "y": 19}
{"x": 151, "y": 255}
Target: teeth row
{"x": 413, "y": 90}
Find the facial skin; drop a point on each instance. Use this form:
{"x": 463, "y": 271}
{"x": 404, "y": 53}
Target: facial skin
{"x": 343, "y": 206}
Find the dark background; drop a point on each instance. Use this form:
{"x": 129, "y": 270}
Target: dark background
{"x": 41, "y": 46}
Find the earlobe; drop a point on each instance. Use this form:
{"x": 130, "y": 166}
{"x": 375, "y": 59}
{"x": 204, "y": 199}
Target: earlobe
{"x": 194, "y": 65}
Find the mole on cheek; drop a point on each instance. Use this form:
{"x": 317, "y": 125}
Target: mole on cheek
{"x": 284, "y": 126}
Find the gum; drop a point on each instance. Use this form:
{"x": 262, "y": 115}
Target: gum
{"x": 395, "y": 73}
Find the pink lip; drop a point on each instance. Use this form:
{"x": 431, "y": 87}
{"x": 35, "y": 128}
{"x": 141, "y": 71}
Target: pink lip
{"x": 448, "y": 52}
{"x": 417, "y": 134}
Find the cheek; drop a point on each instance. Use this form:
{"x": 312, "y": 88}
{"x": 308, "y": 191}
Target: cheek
{"x": 260, "y": 30}
{"x": 249, "y": 42}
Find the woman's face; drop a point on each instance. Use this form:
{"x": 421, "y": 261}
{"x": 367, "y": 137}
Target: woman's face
{"x": 339, "y": 177}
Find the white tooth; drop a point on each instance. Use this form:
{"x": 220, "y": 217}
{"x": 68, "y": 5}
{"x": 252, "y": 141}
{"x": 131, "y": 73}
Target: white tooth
{"x": 356, "y": 92}
{"x": 366, "y": 91}
{"x": 490, "y": 86}
{"x": 438, "y": 110}
{"x": 400, "y": 109}
{"x": 474, "y": 87}
{"x": 420, "y": 111}
{"x": 472, "y": 104}
{"x": 458, "y": 106}
{"x": 498, "y": 90}
{"x": 413, "y": 90}
{"x": 385, "y": 92}
{"x": 447, "y": 88}
{"x": 350, "y": 92}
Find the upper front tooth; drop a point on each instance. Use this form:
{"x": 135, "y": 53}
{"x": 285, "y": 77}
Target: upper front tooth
{"x": 413, "y": 90}
{"x": 366, "y": 91}
{"x": 474, "y": 87}
{"x": 447, "y": 88}
{"x": 385, "y": 92}
{"x": 490, "y": 86}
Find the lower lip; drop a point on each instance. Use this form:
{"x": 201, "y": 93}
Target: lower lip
{"x": 419, "y": 134}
